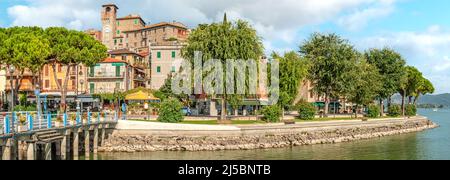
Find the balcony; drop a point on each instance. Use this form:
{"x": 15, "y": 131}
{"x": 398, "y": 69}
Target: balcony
{"x": 106, "y": 75}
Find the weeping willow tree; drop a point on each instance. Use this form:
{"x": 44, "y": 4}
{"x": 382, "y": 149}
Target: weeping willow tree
{"x": 224, "y": 41}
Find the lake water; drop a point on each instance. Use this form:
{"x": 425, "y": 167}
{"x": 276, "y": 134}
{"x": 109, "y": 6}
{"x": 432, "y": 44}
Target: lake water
{"x": 429, "y": 145}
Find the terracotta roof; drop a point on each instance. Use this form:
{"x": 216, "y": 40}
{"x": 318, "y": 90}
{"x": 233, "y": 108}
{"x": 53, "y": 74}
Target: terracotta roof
{"x": 112, "y": 60}
{"x": 144, "y": 54}
{"x": 122, "y": 51}
{"x": 174, "y": 24}
{"x": 132, "y": 17}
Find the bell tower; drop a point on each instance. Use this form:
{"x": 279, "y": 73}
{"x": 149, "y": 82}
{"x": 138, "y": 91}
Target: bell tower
{"x": 109, "y": 20}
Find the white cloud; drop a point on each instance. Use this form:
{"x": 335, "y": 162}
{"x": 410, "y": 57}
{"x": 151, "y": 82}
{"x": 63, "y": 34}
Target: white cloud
{"x": 275, "y": 20}
{"x": 361, "y": 17}
{"x": 428, "y": 50}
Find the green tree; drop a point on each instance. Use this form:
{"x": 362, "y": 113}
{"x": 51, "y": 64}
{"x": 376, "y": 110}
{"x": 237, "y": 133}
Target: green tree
{"x": 224, "y": 41}
{"x": 409, "y": 85}
{"x": 26, "y": 49}
{"x": 390, "y": 65}
{"x": 425, "y": 87}
{"x": 170, "y": 111}
{"x": 330, "y": 57}
{"x": 366, "y": 84}
{"x": 71, "y": 48}
{"x": 293, "y": 71}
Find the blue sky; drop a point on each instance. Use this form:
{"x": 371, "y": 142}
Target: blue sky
{"x": 418, "y": 29}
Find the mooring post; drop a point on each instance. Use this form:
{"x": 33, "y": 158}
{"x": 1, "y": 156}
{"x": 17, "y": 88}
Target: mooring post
{"x": 95, "y": 146}
{"x": 48, "y": 151}
{"x": 64, "y": 146}
{"x": 31, "y": 151}
{"x": 21, "y": 150}
{"x": 86, "y": 142}
{"x": 102, "y": 138}
{"x": 7, "y": 150}
{"x": 75, "y": 143}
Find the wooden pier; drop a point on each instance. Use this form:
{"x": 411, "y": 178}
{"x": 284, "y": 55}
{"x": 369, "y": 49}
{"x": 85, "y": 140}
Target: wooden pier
{"x": 62, "y": 142}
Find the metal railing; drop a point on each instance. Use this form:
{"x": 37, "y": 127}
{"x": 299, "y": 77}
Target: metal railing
{"x": 23, "y": 122}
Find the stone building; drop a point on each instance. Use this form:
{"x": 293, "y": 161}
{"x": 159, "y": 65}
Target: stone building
{"x": 158, "y": 44}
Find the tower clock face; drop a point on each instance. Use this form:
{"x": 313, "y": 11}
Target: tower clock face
{"x": 107, "y": 29}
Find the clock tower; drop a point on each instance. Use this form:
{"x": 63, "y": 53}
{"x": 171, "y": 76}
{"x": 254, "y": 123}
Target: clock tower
{"x": 109, "y": 20}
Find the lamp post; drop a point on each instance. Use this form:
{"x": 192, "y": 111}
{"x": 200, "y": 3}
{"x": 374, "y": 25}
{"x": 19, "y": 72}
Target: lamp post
{"x": 80, "y": 100}
{"x": 12, "y": 69}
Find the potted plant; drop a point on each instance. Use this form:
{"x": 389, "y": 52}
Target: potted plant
{"x": 103, "y": 116}
{"x": 22, "y": 126}
{"x": 73, "y": 118}
{"x": 95, "y": 117}
{"x": 85, "y": 118}
{"x": 59, "y": 121}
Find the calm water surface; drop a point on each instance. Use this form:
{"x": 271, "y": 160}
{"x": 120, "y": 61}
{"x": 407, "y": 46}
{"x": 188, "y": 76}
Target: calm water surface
{"x": 431, "y": 144}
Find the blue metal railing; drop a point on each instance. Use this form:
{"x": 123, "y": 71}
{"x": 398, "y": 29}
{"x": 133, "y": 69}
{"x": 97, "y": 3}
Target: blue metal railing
{"x": 11, "y": 123}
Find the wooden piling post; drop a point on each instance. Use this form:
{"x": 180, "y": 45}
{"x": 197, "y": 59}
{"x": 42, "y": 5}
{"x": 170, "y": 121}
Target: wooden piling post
{"x": 86, "y": 143}
{"x": 75, "y": 144}
{"x": 95, "y": 146}
{"x": 31, "y": 151}
{"x": 48, "y": 151}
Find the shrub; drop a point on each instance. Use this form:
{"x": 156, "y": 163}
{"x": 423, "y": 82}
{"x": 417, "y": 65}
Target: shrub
{"x": 373, "y": 111}
{"x": 306, "y": 111}
{"x": 31, "y": 108}
{"x": 395, "y": 110}
{"x": 171, "y": 111}
{"x": 410, "y": 110}
{"x": 271, "y": 113}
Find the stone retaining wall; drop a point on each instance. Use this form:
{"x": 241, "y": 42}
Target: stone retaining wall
{"x": 260, "y": 139}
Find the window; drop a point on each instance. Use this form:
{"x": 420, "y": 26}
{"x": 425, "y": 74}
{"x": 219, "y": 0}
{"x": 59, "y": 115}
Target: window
{"x": 124, "y": 58}
{"x": 158, "y": 55}
{"x": 47, "y": 83}
{"x": 118, "y": 31}
{"x": 118, "y": 23}
{"x": 173, "y": 69}
{"x": 92, "y": 88}
{"x": 173, "y": 54}
{"x": 121, "y": 40}
{"x": 126, "y": 35}
{"x": 74, "y": 84}
{"x": 158, "y": 69}
{"x": 115, "y": 41}
{"x": 92, "y": 71}
{"x": 113, "y": 56}
{"x": 135, "y": 21}
{"x": 164, "y": 29}
{"x": 117, "y": 85}
{"x": 135, "y": 34}
{"x": 46, "y": 71}
{"x": 117, "y": 71}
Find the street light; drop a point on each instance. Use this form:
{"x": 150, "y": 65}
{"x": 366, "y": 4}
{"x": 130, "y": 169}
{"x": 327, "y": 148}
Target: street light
{"x": 12, "y": 69}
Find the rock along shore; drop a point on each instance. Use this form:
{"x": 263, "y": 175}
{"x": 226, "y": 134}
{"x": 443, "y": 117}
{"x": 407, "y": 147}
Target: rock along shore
{"x": 259, "y": 137}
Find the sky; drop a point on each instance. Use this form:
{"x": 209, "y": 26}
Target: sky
{"x": 418, "y": 29}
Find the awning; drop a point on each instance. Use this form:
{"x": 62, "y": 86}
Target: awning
{"x": 140, "y": 96}
{"x": 322, "y": 104}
